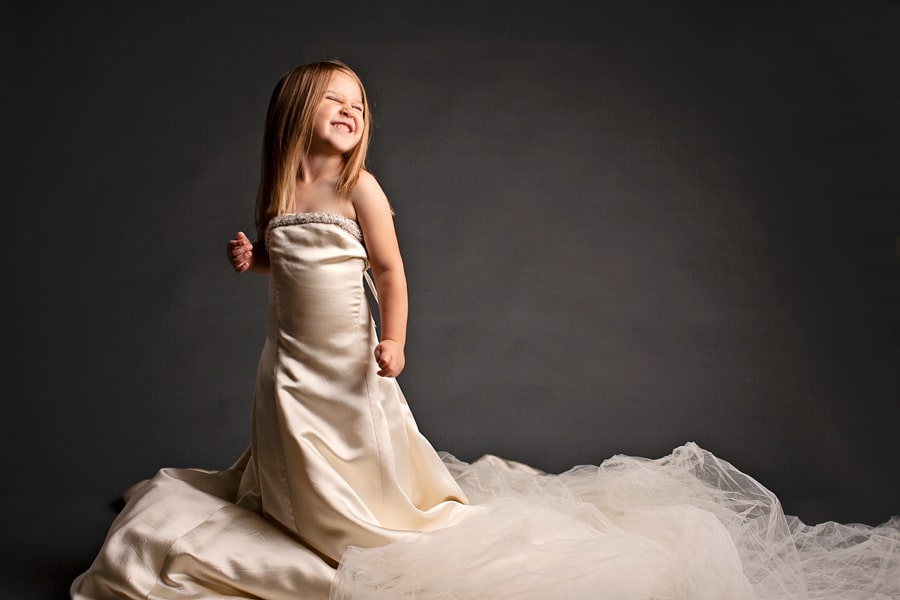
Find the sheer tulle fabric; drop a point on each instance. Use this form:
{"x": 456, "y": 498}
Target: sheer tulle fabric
{"x": 685, "y": 526}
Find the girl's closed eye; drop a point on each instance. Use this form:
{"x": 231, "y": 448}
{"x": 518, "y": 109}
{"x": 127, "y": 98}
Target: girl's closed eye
{"x": 357, "y": 107}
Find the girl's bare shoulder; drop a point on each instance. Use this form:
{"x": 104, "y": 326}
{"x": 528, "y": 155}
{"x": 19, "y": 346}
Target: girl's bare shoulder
{"x": 367, "y": 191}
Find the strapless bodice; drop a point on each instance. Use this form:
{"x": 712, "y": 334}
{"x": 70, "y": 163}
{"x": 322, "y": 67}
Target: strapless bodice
{"x": 302, "y": 218}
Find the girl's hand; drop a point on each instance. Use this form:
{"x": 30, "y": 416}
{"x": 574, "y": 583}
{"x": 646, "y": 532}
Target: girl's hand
{"x": 390, "y": 359}
{"x": 239, "y": 252}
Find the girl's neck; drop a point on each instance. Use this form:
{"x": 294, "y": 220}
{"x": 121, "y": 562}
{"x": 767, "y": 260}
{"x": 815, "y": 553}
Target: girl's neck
{"x": 320, "y": 168}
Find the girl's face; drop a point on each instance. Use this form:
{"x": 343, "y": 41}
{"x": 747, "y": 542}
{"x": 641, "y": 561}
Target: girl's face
{"x": 338, "y": 125}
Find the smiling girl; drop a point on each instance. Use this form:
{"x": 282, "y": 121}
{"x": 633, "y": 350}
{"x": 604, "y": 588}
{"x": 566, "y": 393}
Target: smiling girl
{"x": 340, "y": 496}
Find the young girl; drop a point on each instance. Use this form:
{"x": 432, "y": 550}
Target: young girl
{"x": 335, "y": 457}
{"x": 339, "y": 495}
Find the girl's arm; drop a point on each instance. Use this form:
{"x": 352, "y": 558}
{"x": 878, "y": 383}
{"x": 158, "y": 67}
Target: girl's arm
{"x": 244, "y": 255}
{"x": 373, "y": 211}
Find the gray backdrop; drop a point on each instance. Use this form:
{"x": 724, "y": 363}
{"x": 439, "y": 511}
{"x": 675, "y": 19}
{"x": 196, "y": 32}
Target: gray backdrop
{"x": 624, "y": 228}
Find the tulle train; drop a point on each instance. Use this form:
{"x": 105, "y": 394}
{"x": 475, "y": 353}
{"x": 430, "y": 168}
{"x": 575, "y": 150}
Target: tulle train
{"x": 685, "y": 526}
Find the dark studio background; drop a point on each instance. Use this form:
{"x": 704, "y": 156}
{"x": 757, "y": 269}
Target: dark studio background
{"x": 658, "y": 223}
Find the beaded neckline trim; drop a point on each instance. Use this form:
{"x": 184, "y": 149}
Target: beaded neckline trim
{"x": 348, "y": 225}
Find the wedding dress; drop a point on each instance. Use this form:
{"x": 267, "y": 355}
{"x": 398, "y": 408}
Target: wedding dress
{"x": 340, "y": 496}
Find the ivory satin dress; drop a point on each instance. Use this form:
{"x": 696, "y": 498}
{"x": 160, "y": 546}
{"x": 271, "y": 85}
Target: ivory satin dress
{"x": 340, "y": 496}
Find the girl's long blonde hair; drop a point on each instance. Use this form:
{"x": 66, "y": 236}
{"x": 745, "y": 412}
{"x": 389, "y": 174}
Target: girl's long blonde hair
{"x": 288, "y": 135}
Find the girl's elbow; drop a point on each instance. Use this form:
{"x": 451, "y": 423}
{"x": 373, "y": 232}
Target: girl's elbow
{"x": 389, "y": 272}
